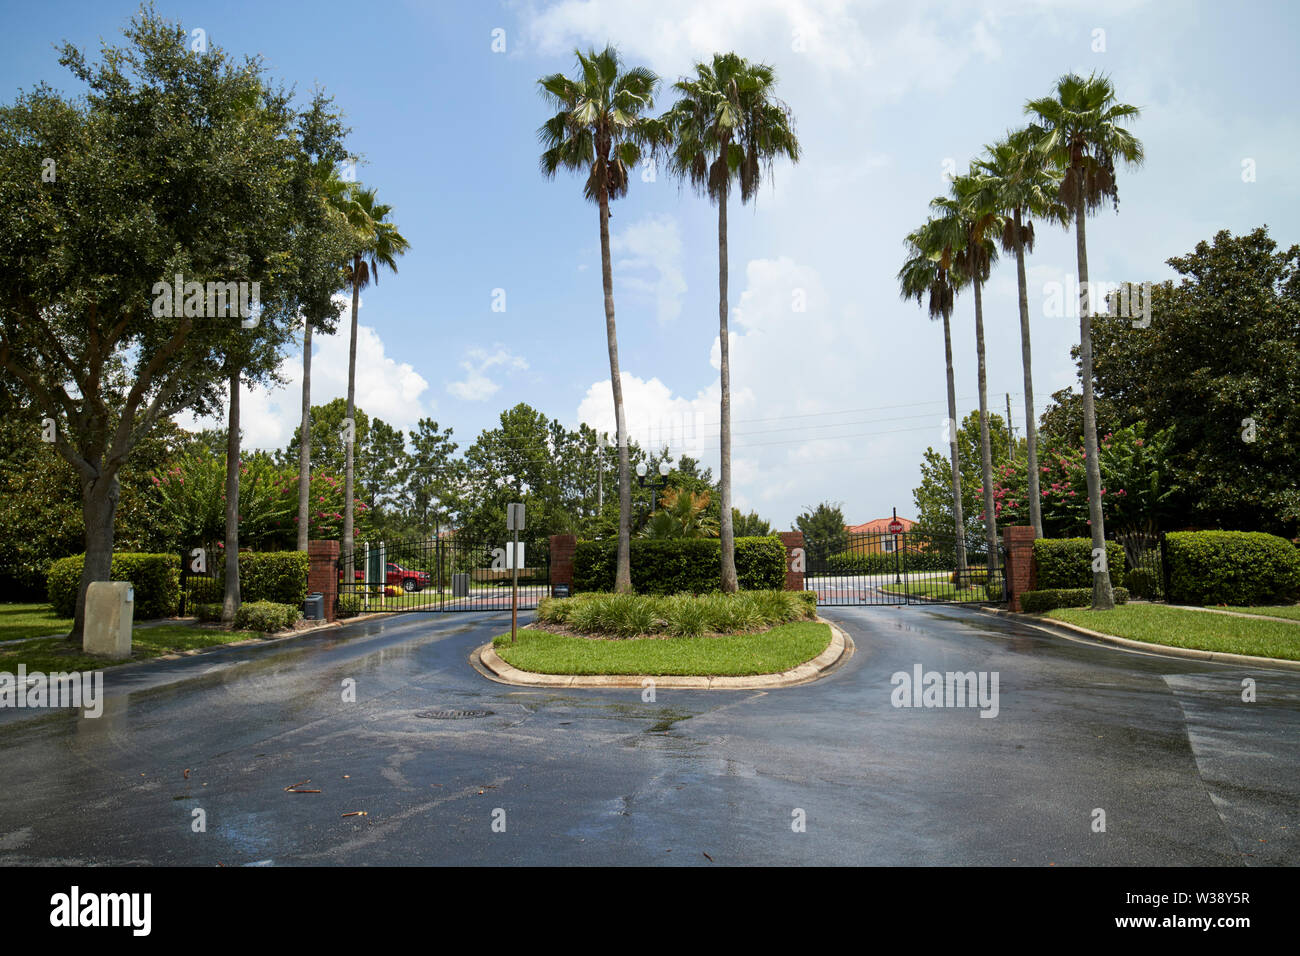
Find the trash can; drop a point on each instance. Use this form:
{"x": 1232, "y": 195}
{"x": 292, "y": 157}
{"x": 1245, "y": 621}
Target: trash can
{"x": 313, "y": 609}
{"x": 460, "y": 585}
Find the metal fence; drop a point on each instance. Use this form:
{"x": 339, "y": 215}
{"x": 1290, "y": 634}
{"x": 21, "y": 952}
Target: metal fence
{"x": 442, "y": 574}
{"x": 909, "y": 568}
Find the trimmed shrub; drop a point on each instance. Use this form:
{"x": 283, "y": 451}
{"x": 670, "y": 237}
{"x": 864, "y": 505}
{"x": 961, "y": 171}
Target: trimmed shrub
{"x": 678, "y": 615}
{"x": 680, "y": 565}
{"x": 1231, "y": 567}
{"x": 1037, "y": 602}
{"x": 266, "y": 616}
{"x": 276, "y": 576}
{"x": 155, "y": 578}
{"x": 349, "y": 605}
{"x": 207, "y": 612}
{"x": 883, "y": 562}
{"x": 1066, "y": 563}
{"x": 1143, "y": 583}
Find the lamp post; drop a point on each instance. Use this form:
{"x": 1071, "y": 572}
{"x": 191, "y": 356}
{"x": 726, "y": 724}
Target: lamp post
{"x": 644, "y": 481}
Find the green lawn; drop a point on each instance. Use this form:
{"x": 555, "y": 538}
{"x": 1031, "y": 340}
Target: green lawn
{"x": 1200, "y": 630}
{"x": 1290, "y": 612}
{"x": 18, "y": 621}
{"x": 940, "y": 588}
{"x": 56, "y": 654}
{"x": 44, "y": 653}
{"x": 733, "y": 655}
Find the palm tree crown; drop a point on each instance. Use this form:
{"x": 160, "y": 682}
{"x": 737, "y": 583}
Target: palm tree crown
{"x": 601, "y": 125}
{"x": 728, "y": 125}
{"x": 1079, "y": 129}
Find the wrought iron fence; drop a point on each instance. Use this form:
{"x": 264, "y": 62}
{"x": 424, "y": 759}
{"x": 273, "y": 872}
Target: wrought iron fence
{"x": 910, "y": 568}
{"x": 444, "y": 573}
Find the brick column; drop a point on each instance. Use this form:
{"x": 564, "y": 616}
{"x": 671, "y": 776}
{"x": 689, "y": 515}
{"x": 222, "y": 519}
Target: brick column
{"x": 323, "y": 572}
{"x": 562, "y": 548}
{"x": 793, "y": 578}
{"x": 1021, "y": 571}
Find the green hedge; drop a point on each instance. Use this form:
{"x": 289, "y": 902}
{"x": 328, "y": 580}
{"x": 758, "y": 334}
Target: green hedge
{"x": 680, "y": 565}
{"x": 1066, "y": 563}
{"x": 154, "y": 577}
{"x": 1036, "y": 602}
{"x": 676, "y": 615}
{"x": 1231, "y": 567}
{"x": 276, "y": 576}
{"x": 882, "y": 562}
{"x": 266, "y": 616}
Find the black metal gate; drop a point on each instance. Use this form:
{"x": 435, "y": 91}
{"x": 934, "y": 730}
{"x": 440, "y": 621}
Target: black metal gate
{"x": 909, "y": 568}
{"x": 445, "y": 573}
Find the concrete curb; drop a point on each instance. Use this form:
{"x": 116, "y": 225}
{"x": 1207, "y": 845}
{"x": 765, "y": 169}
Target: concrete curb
{"x": 1162, "y": 650}
{"x": 488, "y": 663}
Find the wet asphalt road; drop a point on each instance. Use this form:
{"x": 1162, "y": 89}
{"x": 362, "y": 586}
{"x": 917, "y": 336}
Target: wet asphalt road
{"x": 1185, "y": 771}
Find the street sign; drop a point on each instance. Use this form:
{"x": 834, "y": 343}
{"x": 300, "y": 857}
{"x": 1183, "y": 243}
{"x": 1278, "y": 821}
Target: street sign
{"x": 895, "y": 527}
{"x": 515, "y": 517}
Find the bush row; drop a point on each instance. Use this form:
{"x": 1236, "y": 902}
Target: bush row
{"x": 1231, "y": 567}
{"x": 1067, "y": 563}
{"x": 1037, "y": 602}
{"x": 883, "y": 562}
{"x": 276, "y": 576}
{"x": 678, "y": 615}
{"x": 154, "y": 577}
{"x": 680, "y": 565}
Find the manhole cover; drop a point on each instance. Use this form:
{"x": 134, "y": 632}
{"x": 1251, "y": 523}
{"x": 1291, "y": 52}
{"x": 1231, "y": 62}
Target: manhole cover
{"x": 453, "y": 714}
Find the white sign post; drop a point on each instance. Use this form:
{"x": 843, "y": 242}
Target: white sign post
{"x": 515, "y": 523}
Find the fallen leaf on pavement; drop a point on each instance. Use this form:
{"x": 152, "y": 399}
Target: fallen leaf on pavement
{"x": 357, "y": 813}
{"x": 707, "y": 857}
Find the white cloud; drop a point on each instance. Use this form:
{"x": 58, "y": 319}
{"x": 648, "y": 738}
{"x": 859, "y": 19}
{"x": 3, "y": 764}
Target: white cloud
{"x": 793, "y": 374}
{"x": 651, "y": 245}
{"x": 385, "y": 388}
{"x": 477, "y": 386}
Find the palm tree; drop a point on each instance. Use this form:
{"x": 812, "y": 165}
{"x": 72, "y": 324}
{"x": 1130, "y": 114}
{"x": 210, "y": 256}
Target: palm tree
{"x": 600, "y": 128}
{"x": 1079, "y": 128}
{"x": 727, "y": 126}
{"x": 683, "y": 514}
{"x": 1024, "y": 185}
{"x": 334, "y": 193}
{"x": 929, "y": 277}
{"x": 379, "y": 245}
{"x": 965, "y": 223}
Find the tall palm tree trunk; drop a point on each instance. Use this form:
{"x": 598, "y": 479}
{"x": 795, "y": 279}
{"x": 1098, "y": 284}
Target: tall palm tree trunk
{"x": 986, "y": 452}
{"x": 623, "y": 570}
{"x": 348, "y": 545}
{"x": 231, "y": 603}
{"x": 726, "y": 530}
{"x": 1103, "y": 598}
{"x": 958, "y": 519}
{"x": 1026, "y": 360}
{"x": 304, "y": 445}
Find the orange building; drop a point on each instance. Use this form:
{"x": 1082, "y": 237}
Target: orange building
{"x": 874, "y": 535}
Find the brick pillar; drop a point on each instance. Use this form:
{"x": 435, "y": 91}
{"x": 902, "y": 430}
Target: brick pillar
{"x": 323, "y": 572}
{"x": 562, "y": 548}
{"x": 793, "y": 578}
{"x": 1021, "y": 571}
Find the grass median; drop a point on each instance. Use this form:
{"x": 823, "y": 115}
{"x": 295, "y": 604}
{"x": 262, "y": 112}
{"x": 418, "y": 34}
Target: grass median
{"x": 1196, "y": 630}
{"x": 28, "y": 626}
{"x": 730, "y": 655}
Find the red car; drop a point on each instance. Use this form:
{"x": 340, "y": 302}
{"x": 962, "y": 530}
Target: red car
{"x": 404, "y": 578}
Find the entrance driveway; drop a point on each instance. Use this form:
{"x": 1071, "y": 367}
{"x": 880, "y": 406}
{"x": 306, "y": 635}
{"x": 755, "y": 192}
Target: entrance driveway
{"x": 1185, "y": 771}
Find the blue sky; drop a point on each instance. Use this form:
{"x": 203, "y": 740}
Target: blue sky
{"x": 837, "y": 401}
